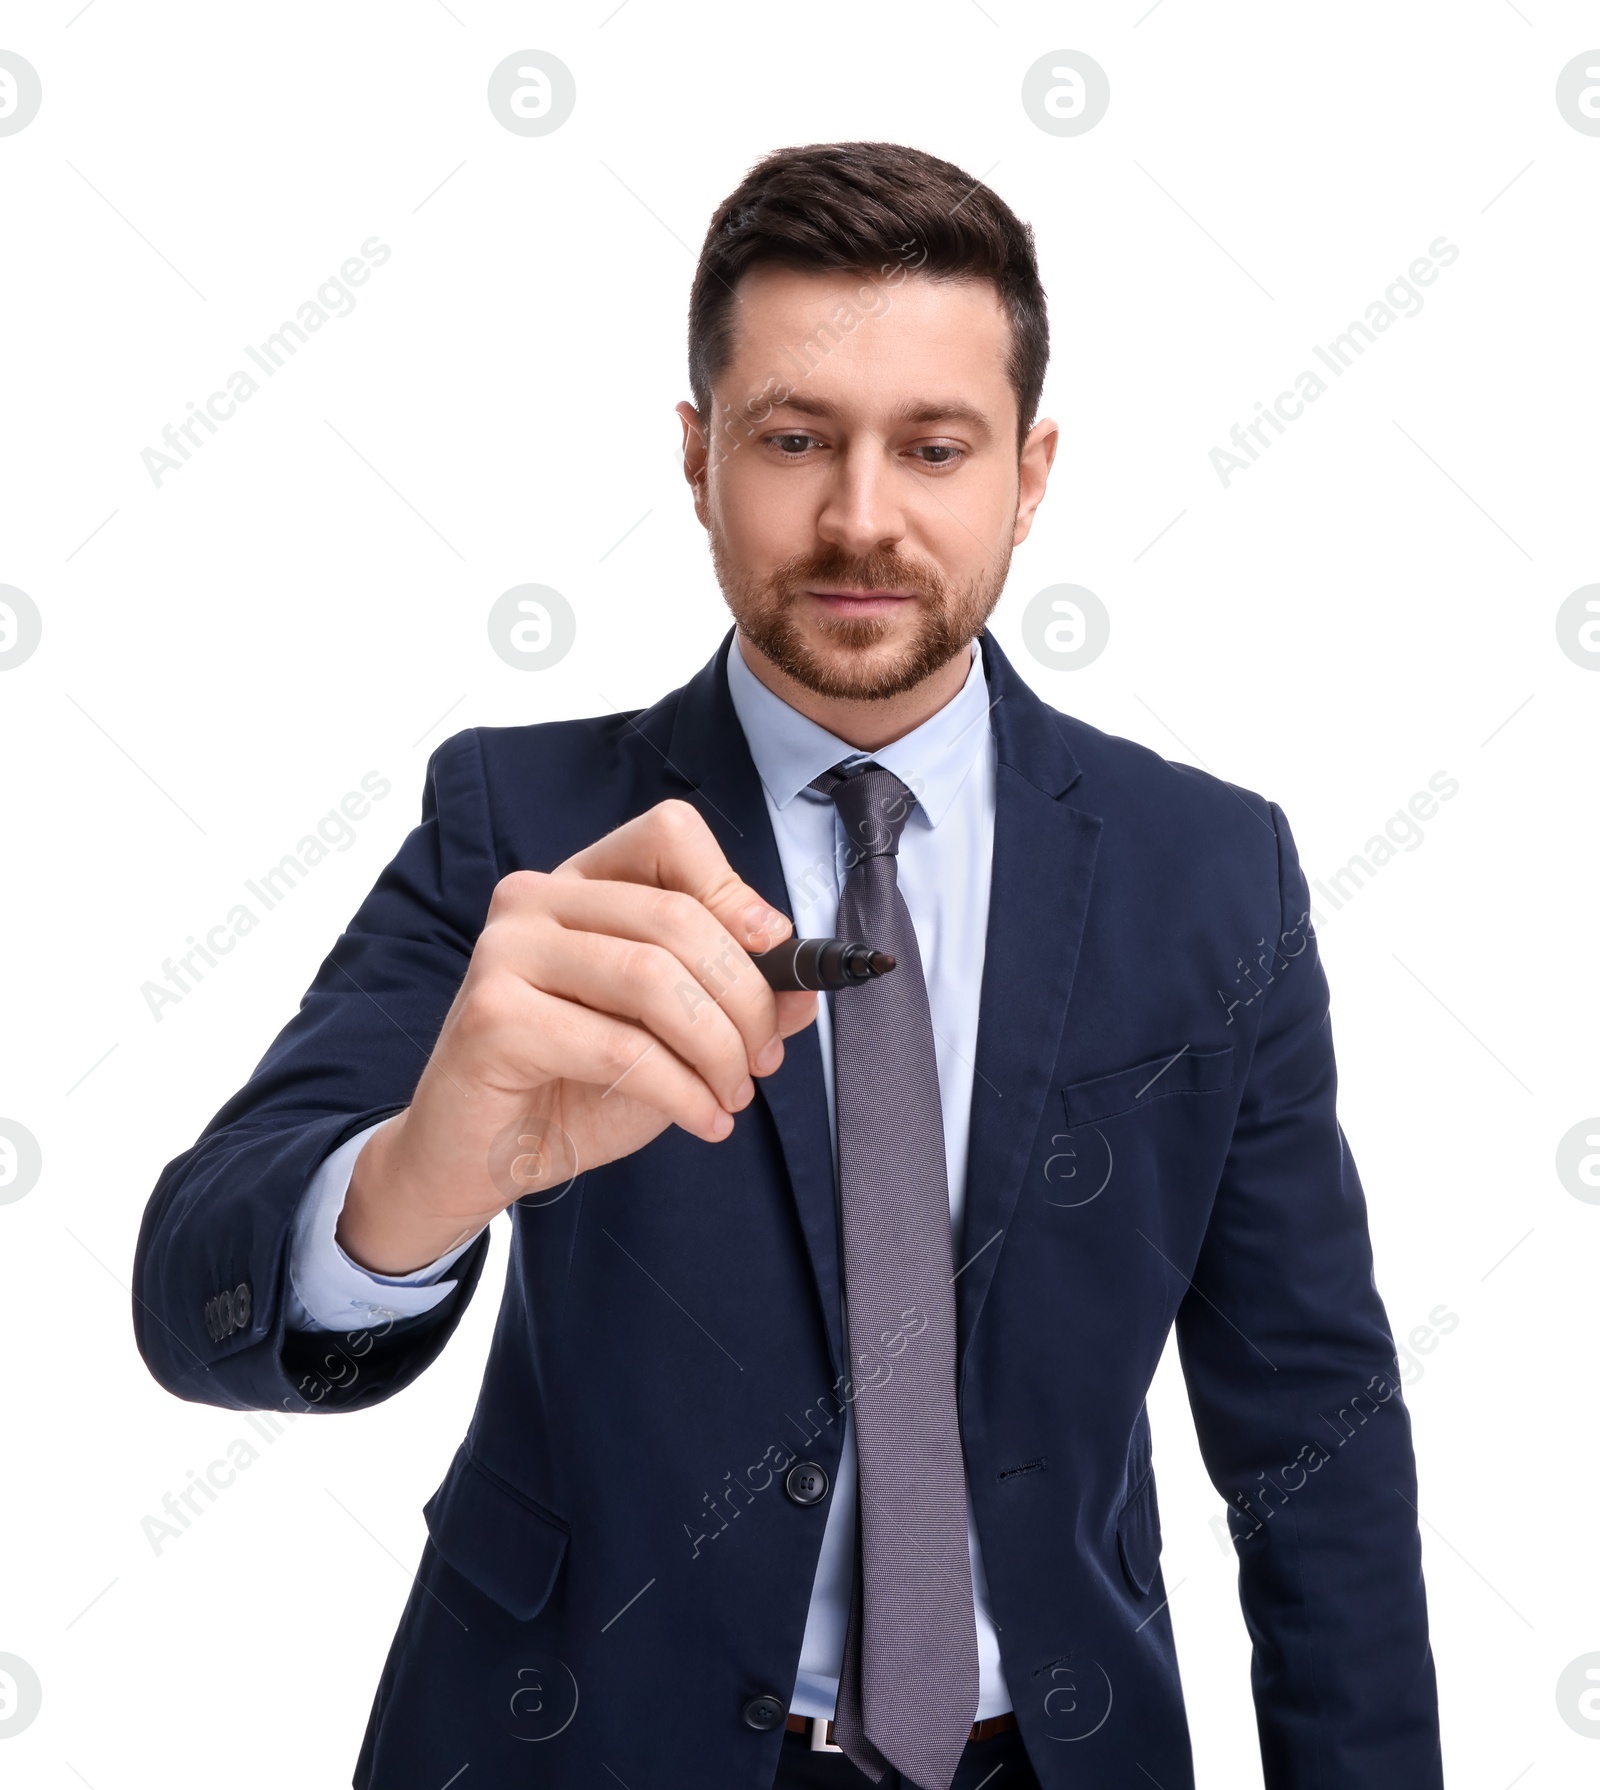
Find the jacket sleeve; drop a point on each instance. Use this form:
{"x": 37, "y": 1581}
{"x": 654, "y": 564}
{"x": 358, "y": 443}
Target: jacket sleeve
{"x": 1293, "y": 1381}
{"x": 211, "y": 1286}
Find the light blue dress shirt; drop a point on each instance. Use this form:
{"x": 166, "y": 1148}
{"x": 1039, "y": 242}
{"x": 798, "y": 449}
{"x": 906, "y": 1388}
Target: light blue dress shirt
{"x": 945, "y": 856}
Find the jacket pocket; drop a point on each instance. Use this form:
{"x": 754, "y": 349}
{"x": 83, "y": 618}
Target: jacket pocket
{"x": 1139, "y": 1536}
{"x": 495, "y": 1538}
{"x": 1183, "y": 1071}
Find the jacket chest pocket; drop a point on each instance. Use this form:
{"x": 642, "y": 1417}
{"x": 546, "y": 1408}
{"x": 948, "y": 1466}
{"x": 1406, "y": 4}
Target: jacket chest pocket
{"x": 1183, "y": 1071}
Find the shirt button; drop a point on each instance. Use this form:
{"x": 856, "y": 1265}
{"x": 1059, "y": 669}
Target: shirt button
{"x": 806, "y": 1483}
{"x": 763, "y": 1714}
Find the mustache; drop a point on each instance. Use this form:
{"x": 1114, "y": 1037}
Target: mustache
{"x": 877, "y": 571}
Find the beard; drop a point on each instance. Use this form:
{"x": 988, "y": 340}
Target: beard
{"x": 841, "y": 657}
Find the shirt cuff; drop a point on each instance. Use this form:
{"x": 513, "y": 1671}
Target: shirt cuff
{"x": 329, "y": 1291}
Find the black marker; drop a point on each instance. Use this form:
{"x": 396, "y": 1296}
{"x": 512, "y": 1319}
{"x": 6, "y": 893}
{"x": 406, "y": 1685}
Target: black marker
{"x": 820, "y": 963}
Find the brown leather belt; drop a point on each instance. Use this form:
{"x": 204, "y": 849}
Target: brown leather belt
{"x": 821, "y": 1731}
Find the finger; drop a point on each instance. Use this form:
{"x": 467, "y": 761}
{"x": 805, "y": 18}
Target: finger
{"x": 647, "y": 984}
{"x": 532, "y": 1038}
{"x": 711, "y": 960}
{"x": 671, "y": 847}
{"x": 796, "y": 1010}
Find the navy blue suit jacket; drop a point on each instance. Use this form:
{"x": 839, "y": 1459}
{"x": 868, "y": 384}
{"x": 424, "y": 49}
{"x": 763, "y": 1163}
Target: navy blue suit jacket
{"x": 614, "y": 1570}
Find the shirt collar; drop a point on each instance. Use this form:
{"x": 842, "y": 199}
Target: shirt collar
{"x": 790, "y": 749}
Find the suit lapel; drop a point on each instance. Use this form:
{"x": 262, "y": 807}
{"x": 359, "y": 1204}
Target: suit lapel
{"x": 1044, "y": 857}
{"x": 709, "y": 764}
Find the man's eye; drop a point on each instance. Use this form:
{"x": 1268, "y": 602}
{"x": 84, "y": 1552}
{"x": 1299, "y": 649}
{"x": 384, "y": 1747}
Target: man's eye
{"x": 791, "y": 445}
{"x": 945, "y": 453}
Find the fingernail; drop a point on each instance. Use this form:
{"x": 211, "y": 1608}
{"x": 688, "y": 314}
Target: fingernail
{"x": 759, "y": 921}
{"x": 769, "y": 1056}
{"x": 722, "y": 1124}
{"x": 743, "y": 1094}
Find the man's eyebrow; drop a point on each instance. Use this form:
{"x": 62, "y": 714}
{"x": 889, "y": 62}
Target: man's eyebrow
{"x": 932, "y": 410}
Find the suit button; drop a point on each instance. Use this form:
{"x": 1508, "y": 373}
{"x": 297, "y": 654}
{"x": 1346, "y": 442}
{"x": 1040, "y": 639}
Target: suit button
{"x": 763, "y": 1714}
{"x": 806, "y": 1483}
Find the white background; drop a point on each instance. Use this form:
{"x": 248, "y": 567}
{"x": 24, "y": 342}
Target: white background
{"x": 225, "y": 655}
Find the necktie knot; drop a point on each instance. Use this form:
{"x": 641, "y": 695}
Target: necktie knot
{"x": 873, "y": 807}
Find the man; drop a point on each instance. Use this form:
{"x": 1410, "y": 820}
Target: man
{"x": 812, "y": 1447}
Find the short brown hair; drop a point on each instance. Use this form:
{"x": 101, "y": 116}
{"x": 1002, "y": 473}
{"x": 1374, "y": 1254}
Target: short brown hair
{"x": 864, "y": 207}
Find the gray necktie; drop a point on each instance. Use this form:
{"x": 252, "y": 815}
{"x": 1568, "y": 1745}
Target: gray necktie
{"x": 908, "y": 1687}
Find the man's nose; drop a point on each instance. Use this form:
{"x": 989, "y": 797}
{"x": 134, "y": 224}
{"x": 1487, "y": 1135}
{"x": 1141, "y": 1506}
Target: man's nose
{"x": 865, "y": 504}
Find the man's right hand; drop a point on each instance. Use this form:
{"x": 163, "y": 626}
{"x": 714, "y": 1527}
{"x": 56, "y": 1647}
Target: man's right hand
{"x": 603, "y": 1001}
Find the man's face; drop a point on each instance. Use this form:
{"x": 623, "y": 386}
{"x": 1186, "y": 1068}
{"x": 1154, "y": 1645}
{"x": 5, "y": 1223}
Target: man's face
{"x": 859, "y": 479}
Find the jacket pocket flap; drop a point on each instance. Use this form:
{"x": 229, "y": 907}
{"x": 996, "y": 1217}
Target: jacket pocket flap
{"x": 510, "y": 1550}
{"x": 1184, "y": 1071}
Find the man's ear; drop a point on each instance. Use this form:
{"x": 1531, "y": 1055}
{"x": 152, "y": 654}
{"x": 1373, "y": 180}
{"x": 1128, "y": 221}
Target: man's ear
{"x": 1033, "y": 471}
{"x": 695, "y": 457}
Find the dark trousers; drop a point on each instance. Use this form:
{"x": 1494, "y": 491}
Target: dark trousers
{"x": 999, "y": 1763}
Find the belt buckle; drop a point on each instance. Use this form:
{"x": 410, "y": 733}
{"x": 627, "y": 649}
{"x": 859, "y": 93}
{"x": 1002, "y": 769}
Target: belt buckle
{"x": 821, "y": 1727}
